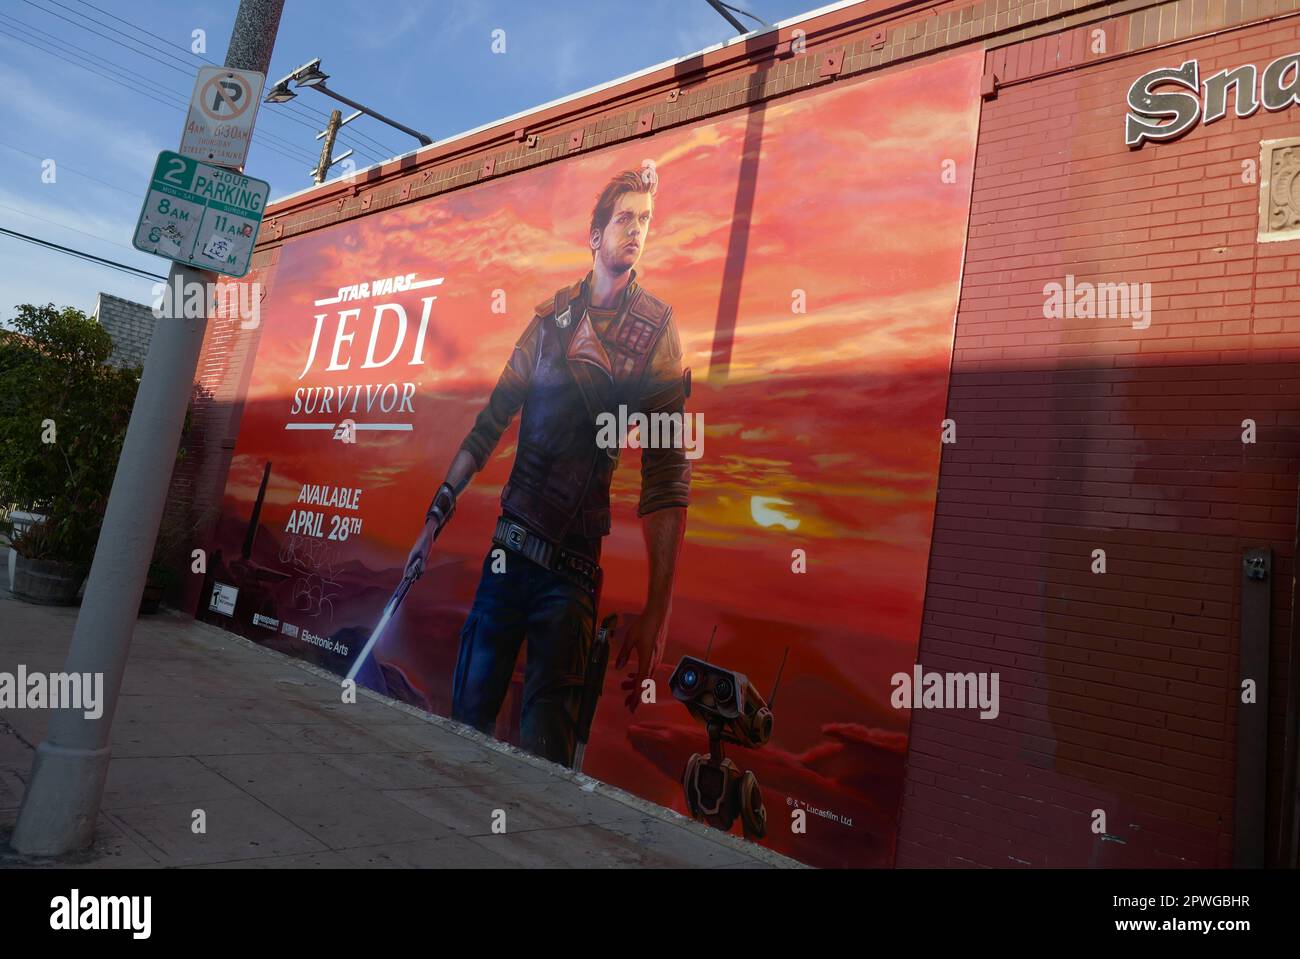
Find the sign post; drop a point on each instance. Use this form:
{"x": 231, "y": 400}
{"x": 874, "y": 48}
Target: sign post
{"x": 61, "y": 804}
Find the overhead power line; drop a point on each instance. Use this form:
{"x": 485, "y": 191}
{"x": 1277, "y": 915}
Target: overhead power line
{"x": 64, "y": 226}
{"x": 80, "y": 254}
{"x": 266, "y": 139}
{"x": 136, "y": 26}
{"x": 128, "y": 79}
{"x": 185, "y": 68}
{"x": 63, "y": 167}
{"x": 314, "y": 119}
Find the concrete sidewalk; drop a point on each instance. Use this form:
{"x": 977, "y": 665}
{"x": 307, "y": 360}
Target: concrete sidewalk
{"x": 289, "y": 776}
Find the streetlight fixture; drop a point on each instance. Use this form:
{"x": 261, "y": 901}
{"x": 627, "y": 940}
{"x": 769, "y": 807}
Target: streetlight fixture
{"x": 280, "y": 93}
{"x": 310, "y": 75}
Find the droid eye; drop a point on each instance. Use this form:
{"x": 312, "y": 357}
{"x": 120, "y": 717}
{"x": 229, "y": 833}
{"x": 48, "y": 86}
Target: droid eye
{"x": 722, "y": 690}
{"x": 690, "y": 679}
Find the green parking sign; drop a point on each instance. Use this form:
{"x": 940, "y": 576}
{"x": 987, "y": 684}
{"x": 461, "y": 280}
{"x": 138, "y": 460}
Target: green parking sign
{"x": 201, "y": 215}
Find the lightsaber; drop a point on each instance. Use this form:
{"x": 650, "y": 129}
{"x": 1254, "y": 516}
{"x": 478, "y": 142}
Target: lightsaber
{"x": 394, "y": 601}
{"x": 443, "y": 505}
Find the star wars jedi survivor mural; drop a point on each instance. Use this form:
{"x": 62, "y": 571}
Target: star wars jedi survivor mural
{"x": 608, "y": 446}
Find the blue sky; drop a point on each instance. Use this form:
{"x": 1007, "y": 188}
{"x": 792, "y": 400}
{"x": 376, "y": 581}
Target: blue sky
{"x": 426, "y": 63}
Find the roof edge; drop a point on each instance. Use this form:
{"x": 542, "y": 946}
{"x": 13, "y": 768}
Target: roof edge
{"x": 727, "y": 53}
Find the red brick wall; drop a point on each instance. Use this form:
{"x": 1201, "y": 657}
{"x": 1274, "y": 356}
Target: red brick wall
{"x": 1117, "y": 690}
{"x": 221, "y": 381}
{"x": 1073, "y": 435}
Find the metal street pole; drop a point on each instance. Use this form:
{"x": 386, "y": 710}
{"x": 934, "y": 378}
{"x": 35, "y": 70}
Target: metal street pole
{"x": 725, "y": 13}
{"x": 424, "y": 140}
{"x": 66, "y": 784}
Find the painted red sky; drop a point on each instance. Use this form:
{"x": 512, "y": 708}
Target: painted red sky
{"x": 831, "y": 415}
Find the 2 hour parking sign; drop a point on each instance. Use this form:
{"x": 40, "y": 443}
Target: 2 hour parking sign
{"x": 201, "y": 215}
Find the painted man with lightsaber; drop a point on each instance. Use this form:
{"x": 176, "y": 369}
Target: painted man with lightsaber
{"x": 599, "y": 344}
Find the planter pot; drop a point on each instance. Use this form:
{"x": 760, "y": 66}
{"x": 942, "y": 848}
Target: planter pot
{"x": 47, "y": 582}
{"x": 21, "y": 521}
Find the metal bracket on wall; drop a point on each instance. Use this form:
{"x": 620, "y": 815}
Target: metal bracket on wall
{"x": 488, "y": 166}
{"x": 575, "y": 140}
{"x": 1249, "y": 813}
{"x": 989, "y": 86}
{"x": 831, "y": 64}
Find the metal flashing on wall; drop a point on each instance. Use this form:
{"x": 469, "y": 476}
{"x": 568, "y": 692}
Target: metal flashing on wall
{"x": 1251, "y": 699}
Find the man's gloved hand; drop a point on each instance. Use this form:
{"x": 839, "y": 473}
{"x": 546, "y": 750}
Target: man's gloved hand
{"x": 440, "y": 510}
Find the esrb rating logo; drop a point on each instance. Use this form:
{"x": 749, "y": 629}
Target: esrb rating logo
{"x": 223, "y": 599}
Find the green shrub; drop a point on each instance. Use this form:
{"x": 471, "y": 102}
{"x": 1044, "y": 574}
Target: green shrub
{"x": 54, "y": 384}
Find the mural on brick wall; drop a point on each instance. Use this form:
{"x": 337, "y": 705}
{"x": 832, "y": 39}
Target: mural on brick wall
{"x": 693, "y": 382}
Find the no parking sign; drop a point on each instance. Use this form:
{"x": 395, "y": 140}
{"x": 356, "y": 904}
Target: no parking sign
{"x": 222, "y": 110}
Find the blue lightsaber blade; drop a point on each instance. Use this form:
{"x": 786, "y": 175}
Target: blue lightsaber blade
{"x": 394, "y": 601}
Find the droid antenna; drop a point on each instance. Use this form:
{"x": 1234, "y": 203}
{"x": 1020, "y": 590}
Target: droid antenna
{"x": 771, "y": 700}
{"x": 709, "y": 648}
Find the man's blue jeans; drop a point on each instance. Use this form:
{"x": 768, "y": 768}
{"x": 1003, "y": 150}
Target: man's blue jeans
{"x": 557, "y": 618}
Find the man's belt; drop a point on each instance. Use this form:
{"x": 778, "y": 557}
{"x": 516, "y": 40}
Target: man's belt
{"x": 574, "y": 566}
